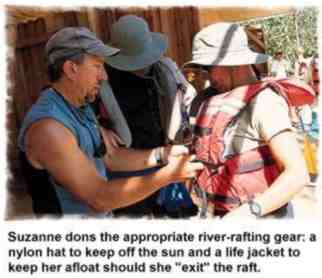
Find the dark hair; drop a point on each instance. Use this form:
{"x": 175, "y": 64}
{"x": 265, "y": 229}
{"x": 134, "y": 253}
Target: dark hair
{"x": 201, "y": 67}
{"x": 55, "y": 70}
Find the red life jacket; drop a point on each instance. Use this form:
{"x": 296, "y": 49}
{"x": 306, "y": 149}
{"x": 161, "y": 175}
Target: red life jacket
{"x": 231, "y": 180}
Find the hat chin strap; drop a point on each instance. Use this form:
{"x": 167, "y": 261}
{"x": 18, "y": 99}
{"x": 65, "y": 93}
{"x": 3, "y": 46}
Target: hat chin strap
{"x": 238, "y": 76}
{"x": 242, "y": 75}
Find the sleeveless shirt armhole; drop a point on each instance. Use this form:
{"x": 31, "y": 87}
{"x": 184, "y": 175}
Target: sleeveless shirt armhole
{"x": 270, "y": 114}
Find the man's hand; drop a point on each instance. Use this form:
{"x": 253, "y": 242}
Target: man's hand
{"x": 112, "y": 140}
{"x": 173, "y": 150}
{"x": 182, "y": 167}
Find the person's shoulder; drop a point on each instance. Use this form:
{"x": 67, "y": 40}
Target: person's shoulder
{"x": 170, "y": 69}
{"x": 46, "y": 100}
{"x": 48, "y": 131}
{"x": 166, "y": 60}
{"x": 268, "y": 98}
{"x": 49, "y": 126}
{"x": 45, "y": 139}
{"x": 47, "y": 105}
{"x": 269, "y": 114}
{"x": 169, "y": 63}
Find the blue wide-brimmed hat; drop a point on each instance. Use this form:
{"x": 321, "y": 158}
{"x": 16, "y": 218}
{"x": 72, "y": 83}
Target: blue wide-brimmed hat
{"x": 139, "y": 47}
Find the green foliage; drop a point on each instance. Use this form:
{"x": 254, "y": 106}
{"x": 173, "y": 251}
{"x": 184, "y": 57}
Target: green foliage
{"x": 288, "y": 32}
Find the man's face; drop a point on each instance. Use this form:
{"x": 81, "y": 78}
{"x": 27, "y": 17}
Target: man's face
{"x": 90, "y": 75}
{"x": 226, "y": 78}
{"x": 221, "y": 78}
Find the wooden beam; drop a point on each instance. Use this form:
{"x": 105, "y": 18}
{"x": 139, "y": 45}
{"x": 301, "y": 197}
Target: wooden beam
{"x": 255, "y": 39}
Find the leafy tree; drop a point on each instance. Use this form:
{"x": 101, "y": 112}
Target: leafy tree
{"x": 288, "y": 32}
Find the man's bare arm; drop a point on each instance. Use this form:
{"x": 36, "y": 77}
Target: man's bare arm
{"x": 125, "y": 159}
{"x": 53, "y": 147}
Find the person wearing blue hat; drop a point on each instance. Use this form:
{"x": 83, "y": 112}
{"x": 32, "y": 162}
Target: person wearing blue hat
{"x": 152, "y": 94}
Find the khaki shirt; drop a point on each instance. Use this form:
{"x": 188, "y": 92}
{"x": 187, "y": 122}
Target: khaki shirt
{"x": 265, "y": 116}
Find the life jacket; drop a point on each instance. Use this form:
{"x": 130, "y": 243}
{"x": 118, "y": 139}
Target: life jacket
{"x": 230, "y": 180}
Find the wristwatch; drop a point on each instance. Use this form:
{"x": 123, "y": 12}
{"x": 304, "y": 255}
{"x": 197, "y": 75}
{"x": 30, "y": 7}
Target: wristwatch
{"x": 255, "y": 208}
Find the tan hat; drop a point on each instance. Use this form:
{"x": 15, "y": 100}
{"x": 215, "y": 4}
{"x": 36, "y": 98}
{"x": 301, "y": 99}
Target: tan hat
{"x": 223, "y": 44}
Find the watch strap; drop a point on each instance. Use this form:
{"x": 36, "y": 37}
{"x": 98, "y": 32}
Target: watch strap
{"x": 255, "y": 208}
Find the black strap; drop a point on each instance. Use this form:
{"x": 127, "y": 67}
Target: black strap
{"x": 202, "y": 131}
{"x": 256, "y": 71}
{"x": 218, "y": 197}
{"x": 255, "y": 165}
{"x": 223, "y": 199}
{"x": 200, "y": 98}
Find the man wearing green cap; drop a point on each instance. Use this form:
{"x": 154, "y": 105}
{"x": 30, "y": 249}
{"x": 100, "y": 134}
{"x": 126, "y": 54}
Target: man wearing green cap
{"x": 61, "y": 139}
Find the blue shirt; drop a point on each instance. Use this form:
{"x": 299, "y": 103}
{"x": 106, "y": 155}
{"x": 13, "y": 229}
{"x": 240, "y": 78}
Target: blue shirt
{"x": 82, "y": 123}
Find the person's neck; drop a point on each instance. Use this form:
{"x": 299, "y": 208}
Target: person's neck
{"x": 244, "y": 76}
{"x": 67, "y": 92}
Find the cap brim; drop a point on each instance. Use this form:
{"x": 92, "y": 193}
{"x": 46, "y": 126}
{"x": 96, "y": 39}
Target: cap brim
{"x": 233, "y": 59}
{"x": 103, "y": 50}
{"x": 149, "y": 56}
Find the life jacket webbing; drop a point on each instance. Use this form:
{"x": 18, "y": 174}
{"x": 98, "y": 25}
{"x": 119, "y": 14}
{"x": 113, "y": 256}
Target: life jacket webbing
{"x": 254, "y": 165}
{"x": 218, "y": 197}
{"x": 202, "y": 131}
{"x": 245, "y": 167}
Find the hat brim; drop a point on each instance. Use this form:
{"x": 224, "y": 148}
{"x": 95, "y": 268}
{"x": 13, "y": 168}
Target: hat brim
{"x": 152, "y": 54}
{"x": 246, "y": 57}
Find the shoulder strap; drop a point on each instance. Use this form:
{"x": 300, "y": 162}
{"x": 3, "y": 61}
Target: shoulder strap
{"x": 199, "y": 99}
{"x": 296, "y": 93}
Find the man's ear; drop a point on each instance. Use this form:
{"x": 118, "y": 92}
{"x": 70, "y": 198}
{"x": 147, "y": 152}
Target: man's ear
{"x": 70, "y": 69}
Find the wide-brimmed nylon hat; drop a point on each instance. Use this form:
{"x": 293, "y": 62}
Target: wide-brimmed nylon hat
{"x": 73, "y": 40}
{"x": 138, "y": 46}
{"x": 223, "y": 44}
